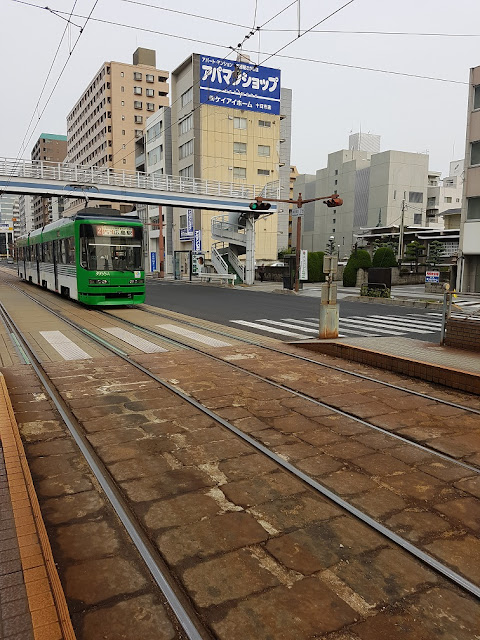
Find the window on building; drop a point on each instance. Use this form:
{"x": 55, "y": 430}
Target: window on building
{"x": 239, "y": 173}
{"x": 137, "y": 91}
{"x": 187, "y": 172}
{"x": 239, "y": 123}
{"x": 185, "y": 150}
{"x": 185, "y": 125}
{"x": 150, "y": 93}
{"x": 155, "y": 131}
{"x": 137, "y": 75}
{"x": 333, "y": 230}
{"x": 155, "y": 155}
{"x": 124, "y": 161}
{"x": 186, "y": 97}
{"x": 122, "y": 75}
{"x": 333, "y": 221}
{"x": 123, "y": 117}
{"x": 150, "y": 106}
{"x": 336, "y": 181}
{"x": 123, "y": 103}
{"x": 162, "y": 79}
{"x": 473, "y": 208}
{"x": 476, "y": 97}
{"x": 149, "y": 77}
{"x": 137, "y": 104}
{"x": 123, "y": 132}
{"x": 448, "y": 199}
{"x": 122, "y": 89}
{"x": 415, "y": 196}
{"x": 138, "y": 133}
{"x": 394, "y": 194}
{"x": 457, "y": 200}
{"x": 431, "y": 202}
{"x": 417, "y": 218}
{"x": 263, "y": 172}
{"x": 336, "y": 172}
{"x": 264, "y": 123}
{"x": 239, "y": 147}
{"x": 138, "y": 119}
{"x": 475, "y": 153}
{"x": 263, "y": 150}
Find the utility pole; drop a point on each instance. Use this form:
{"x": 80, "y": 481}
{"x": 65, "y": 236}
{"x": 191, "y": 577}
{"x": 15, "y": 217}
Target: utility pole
{"x": 400, "y": 239}
{"x": 297, "y": 253}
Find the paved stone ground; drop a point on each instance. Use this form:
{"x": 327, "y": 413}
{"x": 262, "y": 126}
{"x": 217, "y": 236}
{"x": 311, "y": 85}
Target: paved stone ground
{"x": 261, "y": 555}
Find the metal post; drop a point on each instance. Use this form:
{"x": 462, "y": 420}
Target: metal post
{"x": 250, "y": 254}
{"x": 297, "y": 253}
{"x": 444, "y": 317}
{"x": 400, "y": 239}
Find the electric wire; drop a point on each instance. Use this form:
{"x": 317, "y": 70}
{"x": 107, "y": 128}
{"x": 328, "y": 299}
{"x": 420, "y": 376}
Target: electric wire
{"x": 185, "y": 13}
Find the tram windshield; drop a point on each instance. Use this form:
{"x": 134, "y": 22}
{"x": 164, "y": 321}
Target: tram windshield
{"x": 108, "y": 247}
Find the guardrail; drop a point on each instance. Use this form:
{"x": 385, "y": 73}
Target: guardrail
{"x": 84, "y": 175}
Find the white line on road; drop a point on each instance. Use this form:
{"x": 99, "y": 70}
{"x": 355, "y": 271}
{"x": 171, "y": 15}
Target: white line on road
{"x": 193, "y": 335}
{"x": 410, "y": 322}
{"x": 64, "y": 346}
{"x": 130, "y": 338}
{"x": 262, "y": 327}
{"x": 386, "y": 324}
{"x": 288, "y": 325}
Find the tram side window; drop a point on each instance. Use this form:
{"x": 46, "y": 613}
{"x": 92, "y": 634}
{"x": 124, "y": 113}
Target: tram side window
{"x": 69, "y": 250}
{"x": 48, "y": 251}
{"x": 29, "y": 253}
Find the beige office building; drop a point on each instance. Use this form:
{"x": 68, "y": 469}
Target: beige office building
{"x": 212, "y": 141}
{"x": 49, "y": 147}
{"x": 111, "y": 113}
{"x": 469, "y": 256}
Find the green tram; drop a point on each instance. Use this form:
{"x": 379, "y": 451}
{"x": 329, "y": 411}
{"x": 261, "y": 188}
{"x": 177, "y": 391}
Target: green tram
{"x": 94, "y": 257}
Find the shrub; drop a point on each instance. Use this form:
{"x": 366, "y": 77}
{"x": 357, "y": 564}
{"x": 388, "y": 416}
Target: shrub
{"x": 315, "y": 266}
{"x": 384, "y": 257}
{"x": 359, "y": 259}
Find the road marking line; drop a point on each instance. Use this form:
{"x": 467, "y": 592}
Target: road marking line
{"x": 363, "y": 325}
{"x": 64, "y": 346}
{"x": 262, "y": 327}
{"x": 288, "y": 325}
{"x": 193, "y": 335}
{"x": 410, "y": 322}
{"x": 130, "y": 338}
{"x": 385, "y": 324}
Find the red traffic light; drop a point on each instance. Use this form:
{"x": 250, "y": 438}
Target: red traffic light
{"x": 333, "y": 202}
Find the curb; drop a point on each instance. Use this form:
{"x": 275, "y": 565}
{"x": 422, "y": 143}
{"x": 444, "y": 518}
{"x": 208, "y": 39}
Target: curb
{"x": 407, "y": 302}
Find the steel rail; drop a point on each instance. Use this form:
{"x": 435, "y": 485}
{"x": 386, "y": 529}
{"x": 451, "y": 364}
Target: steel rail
{"x": 128, "y": 519}
{"x": 299, "y": 394}
{"x": 320, "y": 364}
{"x": 421, "y": 555}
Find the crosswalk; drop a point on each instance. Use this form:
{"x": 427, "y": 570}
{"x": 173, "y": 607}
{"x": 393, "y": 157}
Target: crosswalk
{"x": 410, "y": 325}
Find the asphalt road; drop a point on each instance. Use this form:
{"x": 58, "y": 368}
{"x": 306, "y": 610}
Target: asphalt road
{"x": 289, "y": 317}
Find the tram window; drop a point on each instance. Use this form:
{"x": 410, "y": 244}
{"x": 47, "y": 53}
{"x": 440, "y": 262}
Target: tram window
{"x": 57, "y": 250}
{"x": 48, "y": 252}
{"x": 29, "y": 253}
{"x": 70, "y": 250}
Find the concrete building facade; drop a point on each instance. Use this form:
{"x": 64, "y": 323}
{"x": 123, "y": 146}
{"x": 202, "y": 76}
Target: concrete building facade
{"x": 375, "y": 189}
{"x": 444, "y": 194}
{"x": 364, "y": 142}
{"x": 233, "y": 145}
{"x": 154, "y": 156}
{"x": 469, "y": 254}
{"x": 50, "y": 147}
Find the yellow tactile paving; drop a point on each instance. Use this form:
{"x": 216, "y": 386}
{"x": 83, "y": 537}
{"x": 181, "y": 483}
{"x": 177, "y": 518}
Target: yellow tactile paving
{"x": 46, "y": 600}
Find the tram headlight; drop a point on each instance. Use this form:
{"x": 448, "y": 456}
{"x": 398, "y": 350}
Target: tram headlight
{"x": 98, "y": 282}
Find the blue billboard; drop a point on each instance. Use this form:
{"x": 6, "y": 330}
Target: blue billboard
{"x": 239, "y": 85}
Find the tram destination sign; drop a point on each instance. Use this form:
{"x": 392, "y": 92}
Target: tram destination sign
{"x": 111, "y": 231}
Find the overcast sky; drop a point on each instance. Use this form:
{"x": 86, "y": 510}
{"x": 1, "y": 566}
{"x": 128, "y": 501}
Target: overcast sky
{"x": 329, "y": 102}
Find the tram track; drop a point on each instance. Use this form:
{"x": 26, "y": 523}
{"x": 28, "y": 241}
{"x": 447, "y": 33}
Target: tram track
{"x": 309, "y": 481}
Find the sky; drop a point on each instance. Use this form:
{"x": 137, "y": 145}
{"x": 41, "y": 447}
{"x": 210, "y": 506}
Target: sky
{"x": 329, "y": 101}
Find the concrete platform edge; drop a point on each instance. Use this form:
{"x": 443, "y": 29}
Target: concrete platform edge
{"x": 397, "y": 302}
{"x": 448, "y": 377}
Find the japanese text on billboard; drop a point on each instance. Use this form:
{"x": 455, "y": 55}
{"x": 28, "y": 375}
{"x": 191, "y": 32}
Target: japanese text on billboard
{"x": 239, "y": 85}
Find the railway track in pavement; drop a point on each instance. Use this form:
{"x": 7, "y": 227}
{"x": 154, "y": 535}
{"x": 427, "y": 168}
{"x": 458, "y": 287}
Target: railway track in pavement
{"x": 275, "y": 523}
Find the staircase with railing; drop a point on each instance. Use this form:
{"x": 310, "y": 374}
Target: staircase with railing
{"x": 231, "y": 241}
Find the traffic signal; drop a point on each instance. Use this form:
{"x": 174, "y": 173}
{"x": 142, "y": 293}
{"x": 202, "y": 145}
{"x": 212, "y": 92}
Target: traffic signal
{"x": 333, "y": 202}
{"x": 260, "y": 206}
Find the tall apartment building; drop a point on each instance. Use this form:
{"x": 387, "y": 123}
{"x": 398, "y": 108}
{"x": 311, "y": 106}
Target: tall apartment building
{"x": 49, "y": 147}
{"x": 110, "y": 114}
{"x": 373, "y": 188}
{"x": 227, "y": 125}
{"x": 444, "y": 194}
{"x": 469, "y": 267}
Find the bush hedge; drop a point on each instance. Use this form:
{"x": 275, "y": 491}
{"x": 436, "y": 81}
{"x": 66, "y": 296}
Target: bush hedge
{"x": 315, "y": 266}
{"x": 359, "y": 259}
{"x": 384, "y": 257}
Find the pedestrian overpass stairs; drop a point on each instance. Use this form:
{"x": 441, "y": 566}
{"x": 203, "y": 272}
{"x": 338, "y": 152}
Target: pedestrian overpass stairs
{"x": 230, "y": 232}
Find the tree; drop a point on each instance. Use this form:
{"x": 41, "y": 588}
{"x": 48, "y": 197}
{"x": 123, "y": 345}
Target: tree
{"x": 359, "y": 259}
{"x": 414, "y": 251}
{"x": 384, "y": 257}
{"x": 315, "y": 266}
{"x": 436, "y": 250}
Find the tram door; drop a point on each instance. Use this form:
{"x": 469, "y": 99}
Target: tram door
{"x": 56, "y": 248}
